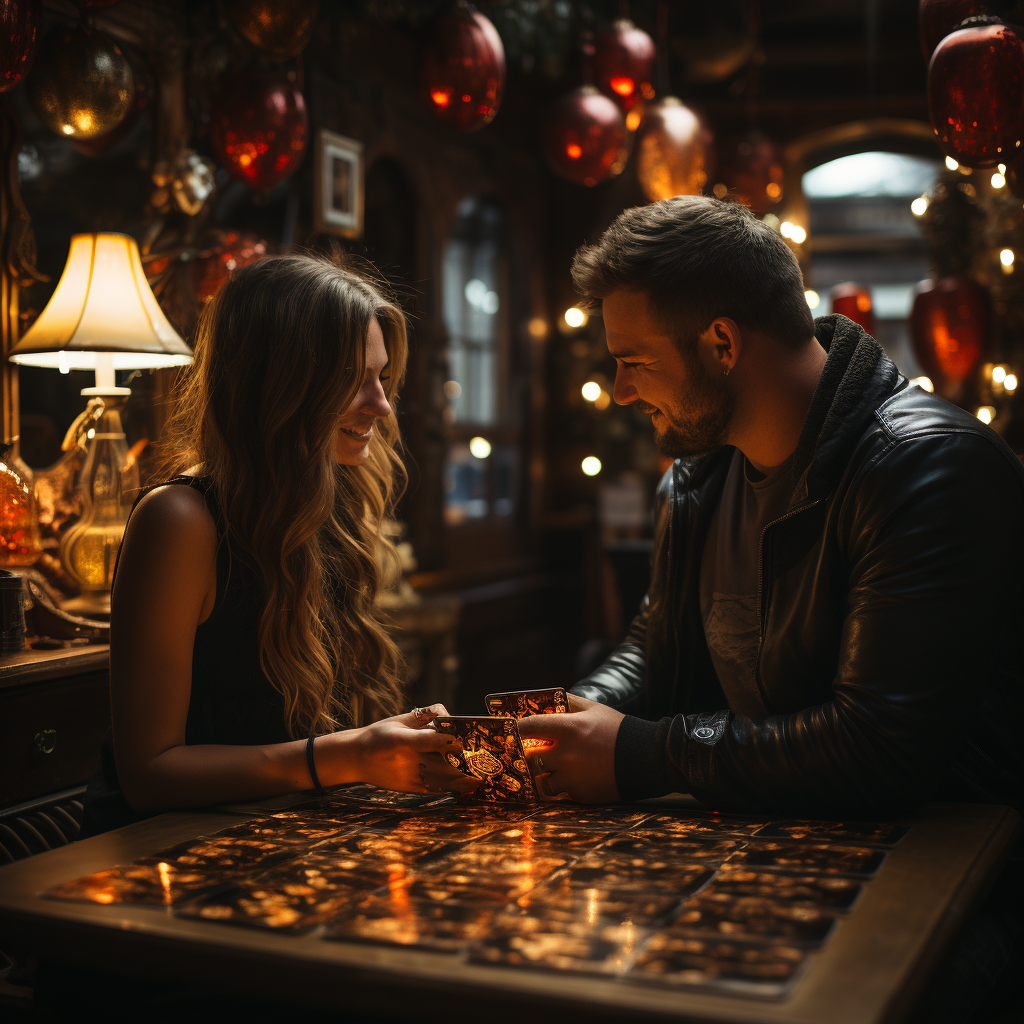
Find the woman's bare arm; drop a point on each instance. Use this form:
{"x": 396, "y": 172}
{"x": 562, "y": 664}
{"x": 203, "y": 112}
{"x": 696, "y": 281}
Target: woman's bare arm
{"x": 166, "y": 586}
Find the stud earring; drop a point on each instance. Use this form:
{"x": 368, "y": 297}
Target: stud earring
{"x": 726, "y": 371}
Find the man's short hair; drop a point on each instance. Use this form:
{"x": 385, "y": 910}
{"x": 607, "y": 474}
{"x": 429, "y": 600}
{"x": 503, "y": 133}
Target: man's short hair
{"x": 697, "y": 259}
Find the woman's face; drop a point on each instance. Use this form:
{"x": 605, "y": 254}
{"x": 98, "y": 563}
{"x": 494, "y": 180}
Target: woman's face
{"x": 355, "y": 429}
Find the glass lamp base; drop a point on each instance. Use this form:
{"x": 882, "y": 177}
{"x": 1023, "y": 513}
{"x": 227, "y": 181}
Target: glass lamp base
{"x": 90, "y": 604}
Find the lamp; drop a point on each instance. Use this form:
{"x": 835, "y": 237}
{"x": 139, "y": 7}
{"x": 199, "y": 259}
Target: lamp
{"x": 102, "y": 316}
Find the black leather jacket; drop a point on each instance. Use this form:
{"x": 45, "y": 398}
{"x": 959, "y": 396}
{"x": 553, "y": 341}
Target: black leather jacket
{"x": 891, "y": 606}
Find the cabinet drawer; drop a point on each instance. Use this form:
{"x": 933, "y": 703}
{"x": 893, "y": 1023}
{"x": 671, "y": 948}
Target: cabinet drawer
{"x": 50, "y": 734}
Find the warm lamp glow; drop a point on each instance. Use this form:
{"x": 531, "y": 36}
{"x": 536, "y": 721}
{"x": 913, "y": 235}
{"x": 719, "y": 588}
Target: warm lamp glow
{"x": 102, "y": 304}
{"x": 591, "y": 465}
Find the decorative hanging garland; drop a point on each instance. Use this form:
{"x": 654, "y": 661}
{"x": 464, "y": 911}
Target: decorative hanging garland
{"x": 585, "y": 137}
{"x": 259, "y": 129}
{"x": 462, "y": 69}
{"x": 976, "y": 93}
{"x": 19, "y": 27}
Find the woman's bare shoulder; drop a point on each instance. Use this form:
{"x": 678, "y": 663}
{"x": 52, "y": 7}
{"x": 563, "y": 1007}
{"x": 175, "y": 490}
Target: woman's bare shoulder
{"x": 177, "y": 515}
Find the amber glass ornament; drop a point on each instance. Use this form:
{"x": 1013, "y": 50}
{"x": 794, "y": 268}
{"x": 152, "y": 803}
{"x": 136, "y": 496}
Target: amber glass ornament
{"x": 937, "y": 18}
{"x": 854, "y": 301}
{"x": 19, "y": 25}
{"x": 585, "y": 137}
{"x": 259, "y": 128}
{"x": 462, "y": 69}
{"x": 673, "y": 151}
{"x": 714, "y": 39}
{"x": 976, "y": 94}
{"x": 144, "y": 89}
{"x": 280, "y": 30}
{"x": 20, "y": 543}
{"x": 950, "y": 327}
{"x": 81, "y": 85}
{"x": 750, "y": 168}
{"x": 231, "y": 250}
{"x": 623, "y": 64}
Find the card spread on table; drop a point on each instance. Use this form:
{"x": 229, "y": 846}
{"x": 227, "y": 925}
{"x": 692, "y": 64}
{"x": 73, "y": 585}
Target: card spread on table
{"x": 492, "y": 752}
{"x": 523, "y": 703}
{"x": 654, "y": 897}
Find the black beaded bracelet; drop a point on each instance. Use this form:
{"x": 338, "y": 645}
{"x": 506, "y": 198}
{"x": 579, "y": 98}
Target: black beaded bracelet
{"x": 314, "y": 778}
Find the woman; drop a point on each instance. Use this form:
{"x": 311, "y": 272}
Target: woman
{"x": 242, "y": 614}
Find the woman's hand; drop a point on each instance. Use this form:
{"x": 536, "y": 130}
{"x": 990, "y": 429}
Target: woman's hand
{"x": 406, "y": 753}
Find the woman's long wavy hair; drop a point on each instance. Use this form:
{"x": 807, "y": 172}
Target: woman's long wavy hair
{"x": 280, "y": 354}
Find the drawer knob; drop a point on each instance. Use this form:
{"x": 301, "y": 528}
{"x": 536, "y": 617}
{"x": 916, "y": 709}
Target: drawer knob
{"x": 46, "y": 740}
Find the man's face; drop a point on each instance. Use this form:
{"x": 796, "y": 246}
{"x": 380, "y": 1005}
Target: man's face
{"x": 690, "y": 405}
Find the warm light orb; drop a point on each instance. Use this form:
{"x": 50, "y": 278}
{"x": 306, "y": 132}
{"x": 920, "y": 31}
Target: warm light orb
{"x": 602, "y": 401}
{"x": 919, "y": 205}
{"x": 998, "y": 180}
{"x": 591, "y": 465}
{"x": 985, "y": 413}
{"x": 793, "y": 232}
{"x": 813, "y": 298}
{"x": 452, "y": 389}
{"x": 924, "y": 383}
{"x": 998, "y": 374}
{"x": 1010, "y": 382}
{"x": 479, "y": 447}
{"x": 1006, "y": 257}
{"x": 591, "y": 391}
{"x": 951, "y": 164}
{"x": 575, "y": 317}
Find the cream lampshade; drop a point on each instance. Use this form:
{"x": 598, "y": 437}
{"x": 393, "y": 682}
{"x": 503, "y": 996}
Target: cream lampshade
{"x": 103, "y": 316}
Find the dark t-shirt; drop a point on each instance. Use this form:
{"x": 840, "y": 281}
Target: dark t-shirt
{"x": 728, "y": 574}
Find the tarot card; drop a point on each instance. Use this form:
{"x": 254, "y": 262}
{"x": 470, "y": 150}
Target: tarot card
{"x": 467, "y": 887}
{"x": 491, "y": 751}
{"x": 683, "y": 960}
{"x": 559, "y": 901}
{"x": 529, "y": 940}
{"x": 477, "y": 858}
{"x": 297, "y": 830}
{"x": 364, "y": 793}
{"x": 427, "y": 924}
{"x": 814, "y": 858}
{"x": 522, "y": 703}
{"x": 153, "y": 884}
{"x": 381, "y": 848}
{"x": 457, "y": 831}
{"x": 537, "y": 836}
{"x": 600, "y": 871}
{"x": 601, "y": 818}
{"x": 875, "y": 833}
{"x": 643, "y": 843}
{"x": 753, "y": 918}
{"x": 825, "y": 891}
{"x": 693, "y": 823}
{"x": 344, "y": 815}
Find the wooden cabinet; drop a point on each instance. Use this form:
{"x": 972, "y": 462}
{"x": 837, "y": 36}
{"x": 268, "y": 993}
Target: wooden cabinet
{"x": 54, "y": 711}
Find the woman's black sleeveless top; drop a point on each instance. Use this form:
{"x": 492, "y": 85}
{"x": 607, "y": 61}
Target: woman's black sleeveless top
{"x": 232, "y": 700}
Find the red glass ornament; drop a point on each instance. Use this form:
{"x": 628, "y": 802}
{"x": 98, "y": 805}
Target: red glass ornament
{"x": 976, "y": 94}
{"x": 462, "y": 69}
{"x": 258, "y": 129}
{"x": 751, "y": 169}
{"x": 937, "y": 18}
{"x": 231, "y": 250}
{"x": 854, "y": 301}
{"x": 585, "y": 137}
{"x": 19, "y": 26}
{"x": 950, "y": 326}
{"x": 623, "y": 64}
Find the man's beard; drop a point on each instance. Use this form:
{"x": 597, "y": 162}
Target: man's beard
{"x": 708, "y": 406}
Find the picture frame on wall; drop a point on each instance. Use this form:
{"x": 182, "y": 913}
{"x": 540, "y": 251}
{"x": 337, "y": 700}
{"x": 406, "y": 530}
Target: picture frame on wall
{"x": 338, "y": 191}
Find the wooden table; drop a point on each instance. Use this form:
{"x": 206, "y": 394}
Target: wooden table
{"x": 873, "y": 969}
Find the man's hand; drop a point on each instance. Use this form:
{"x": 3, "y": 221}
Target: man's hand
{"x": 581, "y": 760}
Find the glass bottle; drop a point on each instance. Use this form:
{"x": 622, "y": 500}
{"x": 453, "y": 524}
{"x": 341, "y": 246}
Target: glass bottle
{"x": 20, "y": 543}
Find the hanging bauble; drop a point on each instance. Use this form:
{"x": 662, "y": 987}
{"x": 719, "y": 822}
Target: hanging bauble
{"x": 623, "y": 64}
{"x": 229, "y": 251}
{"x": 950, "y": 326}
{"x": 718, "y": 39}
{"x": 462, "y": 69}
{"x": 142, "y": 79}
{"x": 854, "y": 301}
{"x": 750, "y": 168}
{"x": 258, "y": 129}
{"x": 585, "y": 137}
{"x": 673, "y": 151}
{"x": 281, "y": 30}
{"x": 81, "y": 85}
{"x": 19, "y": 24}
{"x": 937, "y": 18}
{"x": 976, "y": 94}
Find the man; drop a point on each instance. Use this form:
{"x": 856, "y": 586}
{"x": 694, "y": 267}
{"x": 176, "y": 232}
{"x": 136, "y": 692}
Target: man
{"x": 836, "y": 614}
